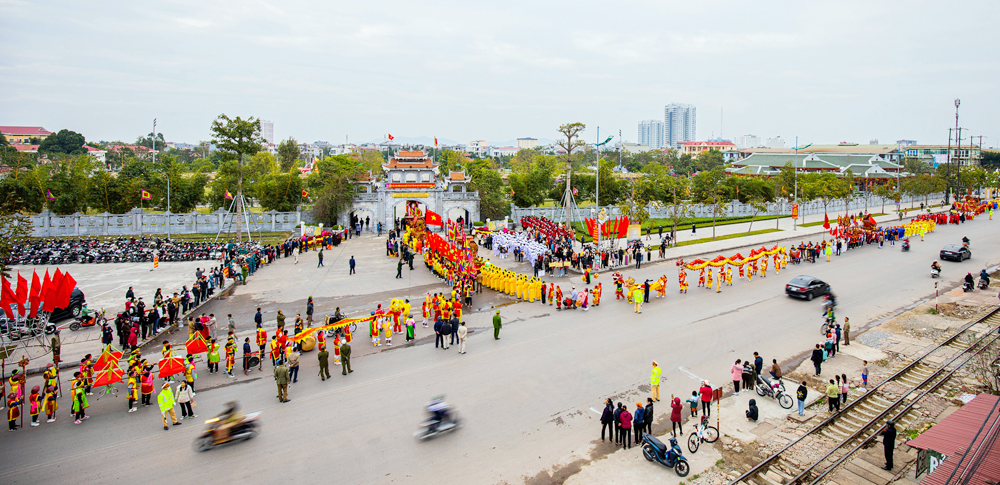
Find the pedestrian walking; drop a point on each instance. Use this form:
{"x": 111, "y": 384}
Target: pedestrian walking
{"x": 888, "y": 443}
{"x": 166, "y": 401}
{"x": 258, "y": 319}
{"x": 281, "y": 379}
{"x": 399, "y": 269}
{"x": 345, "y": 357}
{"x": 694, "y": 228}
{"x": 309, "y": 311}
{"x": 463, "y": 332}
{"x": 800, "y": 394}
{"x": 847, "y": 331}
{"x": 351, "y": 262}
{"x": 706, "y": 398}
{"x": 496, "y": 326}
{"x": 833, "y": 396}
{"x": 654, "y": 381}
{"x": 736, "y": 372}
{"x": 607, "y": 419}
{"x": 817, "y": 359}
{"x": 185, "y": 398}
{"x": 320, "y": 265}
{"x": 324, "y": 363}
{"x": 864, "y": 374}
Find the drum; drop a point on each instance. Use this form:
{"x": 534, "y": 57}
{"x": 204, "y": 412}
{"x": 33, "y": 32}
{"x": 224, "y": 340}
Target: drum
{"x": 253, "y": 361}
{"x": 308, "y": 343}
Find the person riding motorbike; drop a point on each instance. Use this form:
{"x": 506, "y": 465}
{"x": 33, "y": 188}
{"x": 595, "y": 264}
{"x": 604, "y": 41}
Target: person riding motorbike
{"x": 227, "y": 419}
{"x": 438, "y": 410}
{"x": 906, "y": 244}
{"x": 965, "y": 241}
{"x": 936, "y": 267}
{"x": 984, "y": 277}
{"x": 970, "y": 282}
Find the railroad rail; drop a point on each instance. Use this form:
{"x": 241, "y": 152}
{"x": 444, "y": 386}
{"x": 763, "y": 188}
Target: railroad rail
{"x": 859, "y": 421}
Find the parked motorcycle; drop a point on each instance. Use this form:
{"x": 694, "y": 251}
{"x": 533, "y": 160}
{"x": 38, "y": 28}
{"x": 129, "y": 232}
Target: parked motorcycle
{"x": 654, "y": 450}
{"x": 774, "y": 390}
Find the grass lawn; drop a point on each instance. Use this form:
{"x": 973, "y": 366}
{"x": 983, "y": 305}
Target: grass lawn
{"x": 728, "y": 236}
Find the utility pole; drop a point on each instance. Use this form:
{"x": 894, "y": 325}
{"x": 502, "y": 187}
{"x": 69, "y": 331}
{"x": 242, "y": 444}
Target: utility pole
{"x": 947, "y": 171}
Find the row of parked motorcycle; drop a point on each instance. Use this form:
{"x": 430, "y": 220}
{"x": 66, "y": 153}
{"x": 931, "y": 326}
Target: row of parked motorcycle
{"x": 118, "y": 250}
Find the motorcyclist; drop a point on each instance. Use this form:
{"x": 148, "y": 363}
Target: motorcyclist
{"x": 965, "y": 241}
{"x": 438, "y": 410}
{"x": 227, "y": 419}
{"x": 936, "y": 267}
{"x": 906, "y": 243}
{"x": 970, "y": 282}
{"x": 984, "y": 276}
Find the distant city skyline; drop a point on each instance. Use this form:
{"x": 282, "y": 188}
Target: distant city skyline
{"x": 824, "y": 72}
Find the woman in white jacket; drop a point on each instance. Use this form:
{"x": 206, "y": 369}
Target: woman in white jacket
{"x": 185, "y": 397}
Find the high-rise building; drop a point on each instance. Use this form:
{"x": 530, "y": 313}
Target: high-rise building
{"x": 527, "y": 143}
{"x": 267, "y": 130}
{"x": 747, "y": 141}
{"x": 651, "y": 134}
{"x": 679, "y": 123}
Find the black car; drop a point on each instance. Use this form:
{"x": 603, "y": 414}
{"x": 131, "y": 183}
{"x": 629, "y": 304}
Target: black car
{"x": 75, "y": 308}
{"x": 955, "y": 252}
{"x": 806, "y": 287}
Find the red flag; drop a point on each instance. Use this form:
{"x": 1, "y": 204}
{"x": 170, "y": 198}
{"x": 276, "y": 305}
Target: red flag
{"x": 108, "y": 359}
{"x": 391, "y": 137}
{"x": 44, "y": 295}
{"x": 871, "y": 219}
{"x": 196, "y": 345}
{"x": 51, "y": 294}
{"x": 7, "y": 298}
{"x": 65, "y": 290}
{"x": 433, "y": 219}
{"x": 21, "y": 293}
{"x": 826, "y": 221}
{"x": 108, "y": 376}
{"x": 35, "y": 295}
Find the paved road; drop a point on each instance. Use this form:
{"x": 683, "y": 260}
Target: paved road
{"x": 527, "y": 398}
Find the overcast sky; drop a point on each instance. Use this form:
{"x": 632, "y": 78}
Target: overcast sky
{"x": 825, "y": 71}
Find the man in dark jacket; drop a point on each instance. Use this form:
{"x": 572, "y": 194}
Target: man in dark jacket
{"x": 617, "y": 417}
{"x": 638, "y": 422}
{"x": 258, "y": 318}
{"x": 889, "y": 443}
{"x": 817, "y": 358}
{"x": 647, "y": 415}
{"x": 438, "y": 338}
{"x": 645, "y": 294}
{"x": 758, "y": 365}
{"x": 445, "y": 330}
{"x": 800, "y": 394}
{"x": 454, "y": 330}
{"x": 608, "y": 419}
{"x": 345, "y": 357}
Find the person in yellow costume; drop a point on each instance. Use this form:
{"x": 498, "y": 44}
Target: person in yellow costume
{"x": 661, "y": 287}
{"x": 701, "y": 278}
{"x": 531, "y": 291}
{"x": 729, "y": 276}
{"x": 763, "y": 267}
{"x": 709, "y": 279}
{"x": 718, "y": 281}
{"x": 682, "y": 280}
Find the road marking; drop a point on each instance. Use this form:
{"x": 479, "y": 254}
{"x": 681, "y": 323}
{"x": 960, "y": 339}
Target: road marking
{"x": 595, "y": 411}
{"x": 693, "y": 376}
{"x": 115, "y": 288}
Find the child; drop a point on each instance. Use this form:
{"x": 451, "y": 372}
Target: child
{"x": 844, "y": 388}
{"x": 133, "y": 393}
{"x": 50, "y": 404}
{"x": 231, "y": 359}
{"x": 410, "y": 331}
{"x": 864, "y": 373}
{"x": 693, "y": 402}
{"x": 36, "y": 405}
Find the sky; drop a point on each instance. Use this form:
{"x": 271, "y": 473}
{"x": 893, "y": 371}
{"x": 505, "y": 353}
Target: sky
{"x": 826, "y": 72}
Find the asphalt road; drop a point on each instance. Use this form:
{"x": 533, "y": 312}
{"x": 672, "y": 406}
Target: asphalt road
{"x": 528, "y": 399}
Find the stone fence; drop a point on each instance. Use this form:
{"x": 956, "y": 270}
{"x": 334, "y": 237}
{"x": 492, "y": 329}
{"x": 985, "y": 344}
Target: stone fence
{"x": 138, "y": 222}
{"x": 732, "y": 208}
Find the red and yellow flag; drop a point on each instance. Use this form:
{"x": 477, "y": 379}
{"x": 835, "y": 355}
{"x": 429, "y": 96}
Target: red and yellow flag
{"x": 228, "y": 195}
{"x": 144, "y": 195}
{"x": 305, "y": 195}
{"x": 391, "y": 137}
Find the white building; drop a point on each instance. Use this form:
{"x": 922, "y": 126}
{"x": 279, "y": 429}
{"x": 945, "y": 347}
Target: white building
{"x": 502, "y": 151}
{"x": 747, "y": 141}
{"x": 679, "y": 123}
{"x": 477, "y": 148}
{"x": 635, "y": 147}
{"x": 267, "y": 130}
{"x": 775, "y": 142}
{"x": 527, "y": 143}
{"x": 651, "y": 133}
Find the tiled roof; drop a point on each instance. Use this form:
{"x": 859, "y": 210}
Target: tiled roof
{"x": 708, "y": 143}
{"x": 411, "y": 154}
{"x": 457, "y": 176}
{"x": 24, "y": 130}
{"x": 25, "y": 148}
{"x": 957, "y": 433}
{"x": 396, "y": 163}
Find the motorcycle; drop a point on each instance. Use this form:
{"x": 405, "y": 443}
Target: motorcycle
{"x": 654, "y": 450}
{"x": 967, "y": 287}
{"x": 244, "y": 430}
{"x": 935, "y": 273}
{"x": 88, "y": 319}
{"x": 906, "y": 245}
{"x": 983, "y": 284}
{"x": 428, "y": 430}
{"x": 774, "y": 390}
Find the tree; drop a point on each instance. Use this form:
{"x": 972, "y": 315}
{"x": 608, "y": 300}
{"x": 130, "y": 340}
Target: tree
{"x": 494, "y": 200}
{"x": 14, "y": 229}
{"x": 65, "y": 142}
{"x": 288, "y": 154}
{"x": 3, "y": 141}
{"x": 990, "y": 159}
{"x": 709, "y": 160}
{"x": 916, "y": 166}
{"x": 147, "y": 141}
{"x": 236, "y": 139}
{"x": 572, "y": 142}
{"x": 662, "y": 187}
{"x": 68, "y": 182}
{"x": 281, "y": 191}
{"x": 634, "y": 206}
{"x": 685, "y": 165}
{"x": 709, "y": 189}
{"x": 755, "y": 192}
{"x": 825, "y": 186}
{"x": 885, "y": 192}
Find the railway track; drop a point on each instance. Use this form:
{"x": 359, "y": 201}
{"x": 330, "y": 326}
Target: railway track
{"x": 860, "y": 421}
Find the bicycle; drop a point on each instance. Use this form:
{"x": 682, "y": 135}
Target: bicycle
{"x": 704, "y": 433}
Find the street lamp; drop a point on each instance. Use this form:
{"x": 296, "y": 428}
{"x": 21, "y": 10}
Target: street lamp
{"x": 168, "y": 199}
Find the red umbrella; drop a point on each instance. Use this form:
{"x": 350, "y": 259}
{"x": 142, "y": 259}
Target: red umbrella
{"x": 196, "y": 345}
{"x": 108, "y": 377}
{"x": 170, "y": 366}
